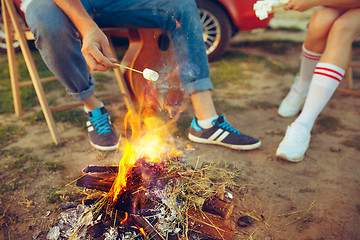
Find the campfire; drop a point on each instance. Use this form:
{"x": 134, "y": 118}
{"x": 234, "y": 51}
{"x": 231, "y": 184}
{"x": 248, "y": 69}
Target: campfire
{"x": 152, "y": 194}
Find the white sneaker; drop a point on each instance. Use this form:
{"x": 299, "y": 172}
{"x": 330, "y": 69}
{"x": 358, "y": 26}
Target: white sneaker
{"x": 294, "y": 144}
{"x": 291, "y": 104}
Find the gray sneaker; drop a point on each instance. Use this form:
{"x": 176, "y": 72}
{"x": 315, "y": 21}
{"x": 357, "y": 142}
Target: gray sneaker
{"x": 101, "y": 131}
{"x": 222, "y": 134}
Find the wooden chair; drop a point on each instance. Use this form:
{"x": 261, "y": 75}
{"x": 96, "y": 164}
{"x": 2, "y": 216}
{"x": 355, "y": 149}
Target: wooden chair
{"x": 353, "y": 64}
{"x": 14, "y": 30}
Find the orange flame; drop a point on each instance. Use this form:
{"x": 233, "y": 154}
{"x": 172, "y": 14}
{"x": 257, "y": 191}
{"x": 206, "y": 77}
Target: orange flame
{"x": 125, "y": 219}
{"x": 142, "y": 232}
{"x": 150, "y": 139}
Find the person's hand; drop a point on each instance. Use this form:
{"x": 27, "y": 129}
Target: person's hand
{"x": 96, "y": 50}
{"x": 300, "y": 5}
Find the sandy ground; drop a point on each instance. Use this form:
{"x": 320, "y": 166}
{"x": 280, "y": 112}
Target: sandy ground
{"x": 317, "y": 198}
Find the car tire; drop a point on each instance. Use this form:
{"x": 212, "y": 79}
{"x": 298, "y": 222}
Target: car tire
{"x": 216, "y": 28}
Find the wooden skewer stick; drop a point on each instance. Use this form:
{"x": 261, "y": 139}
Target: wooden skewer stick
{"x": 128, "y": 68}
{"x": 147, "y": 73}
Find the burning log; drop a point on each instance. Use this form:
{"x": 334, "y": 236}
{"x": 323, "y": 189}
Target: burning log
{"x": 150, "y": 231}
{"x": 102, "y": 177}
{"x": 132, "y": 198}
{"x": 210, "y": 225}
{"x": 218, "y": 206}
{"x": 98, "y": 177}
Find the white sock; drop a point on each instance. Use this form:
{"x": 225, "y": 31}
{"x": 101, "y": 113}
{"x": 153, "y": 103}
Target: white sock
{"x": 87, "y": 110}
{"x": 207, "y": 123}
{"x": 324, "y": 83}
{"x": 307, "y": 67}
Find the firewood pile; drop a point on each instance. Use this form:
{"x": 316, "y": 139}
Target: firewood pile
{"x": 161, "y": 201}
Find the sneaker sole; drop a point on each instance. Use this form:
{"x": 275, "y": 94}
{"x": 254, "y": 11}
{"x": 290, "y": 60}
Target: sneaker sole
{"x": 236, "y": 147}
{"x": 287, "y": 115}
{"x": 283, "y": 156}
{"x": 105, "y": 148}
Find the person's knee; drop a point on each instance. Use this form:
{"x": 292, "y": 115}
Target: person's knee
{"x": 347, "y": 31}
{"x": 46, "y": 21}
{"x": 322, "y": 20}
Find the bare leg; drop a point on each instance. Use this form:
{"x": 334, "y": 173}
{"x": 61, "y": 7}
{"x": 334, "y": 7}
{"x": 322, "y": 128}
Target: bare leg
{"x": 203, "y": 105}
{"x": 326, "y": 78}
{"x": 344, "y": 31}
{"x": 319, "y": 27}
{"x": 91, "y": 103}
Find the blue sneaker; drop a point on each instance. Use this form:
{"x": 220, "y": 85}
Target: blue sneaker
{"x": 222, "y": 134}
{"x": 101, "y": 132}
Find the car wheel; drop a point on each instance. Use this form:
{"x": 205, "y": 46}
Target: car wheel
{"x": 216, "y": 28}
{"x": 3, "y": 46}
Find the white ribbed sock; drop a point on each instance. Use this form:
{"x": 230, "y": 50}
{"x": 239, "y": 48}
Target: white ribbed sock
{"x": 308, "y": 63}
{"x": 324, "y": 83}
{"x": 207, "y": 123}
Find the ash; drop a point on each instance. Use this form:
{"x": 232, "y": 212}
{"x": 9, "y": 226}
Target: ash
{"x": 71, "y": 222}
{"x": 170, "y": 212}
{"x": 78, "y": 221}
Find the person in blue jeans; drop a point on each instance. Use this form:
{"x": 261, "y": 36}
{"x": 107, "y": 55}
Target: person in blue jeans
{"x": 56, "y": 25}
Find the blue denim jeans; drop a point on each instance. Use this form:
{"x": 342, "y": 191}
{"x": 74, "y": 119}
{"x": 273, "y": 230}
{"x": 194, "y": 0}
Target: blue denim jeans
{"x": 57, "y": 40}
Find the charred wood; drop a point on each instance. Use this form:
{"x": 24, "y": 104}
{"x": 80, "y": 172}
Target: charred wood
{"x": 218, "y": 206}
{"x": 210, "y": 225}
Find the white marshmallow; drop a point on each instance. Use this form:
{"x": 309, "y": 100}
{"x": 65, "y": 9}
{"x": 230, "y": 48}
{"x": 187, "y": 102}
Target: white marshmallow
{"x": 267, "y": 8}
{"x": 150, "y": 75}
{"x": 258, "y": 5}
{"x": 261, "y": 14}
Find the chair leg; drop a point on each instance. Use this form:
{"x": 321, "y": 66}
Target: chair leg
{"x": 9, "y": 8}
{"x": 121, "y": 81}
{"x": 14, "y": 77}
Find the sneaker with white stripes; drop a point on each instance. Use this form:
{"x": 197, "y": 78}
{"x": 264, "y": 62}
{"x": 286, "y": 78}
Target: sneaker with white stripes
{"x": 101, "y": 132}
{"x": 222, "y": 133}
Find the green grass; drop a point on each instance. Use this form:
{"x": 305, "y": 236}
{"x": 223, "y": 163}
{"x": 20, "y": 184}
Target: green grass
{"x": 228, "y": 69}
{"x": 278, "y": 47}
{"x": 9, "y": 134}
{"x": 289, "y": 29}
{"x": 27, "y": 94}
{"x": 10, "y": 187}
{"x": 262, "y": 105}
{"x": 53, "y": 166}
{"x": 101, "y": 80}
{"x": 327, "y": 124}
{"x": 58, "y": 195}
{"x": 279, "y": 68}
{"x": 231, "y": 68}
{"x": 20, "y": 159}
{"x": 74, "y": 116}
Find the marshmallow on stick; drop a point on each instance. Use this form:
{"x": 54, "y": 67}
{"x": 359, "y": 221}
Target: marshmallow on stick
{"x": 262, "y": 8}
{"x": 148, "y": 74}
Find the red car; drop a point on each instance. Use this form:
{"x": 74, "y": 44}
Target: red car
{"x": 221, "y": 19}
